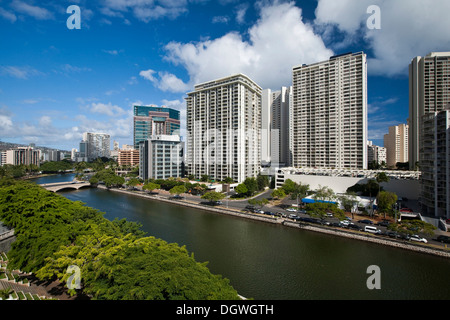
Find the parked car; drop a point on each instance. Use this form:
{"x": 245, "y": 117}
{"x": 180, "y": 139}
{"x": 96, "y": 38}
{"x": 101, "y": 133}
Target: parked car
{"x": 354, "y": 227}
{"x": 403, "y": 236}
{"x": 311, "y": 220}
{"x": 336, "y": 224}
{"x": 291, "y": 210}
{"x": 269, "y": 213}
{"x": 293, "y": 216}
{"x": 383, "y": 223}
{"x": 418, "y": 238}
{"x": 365, "y": 221}
{"x": 344, "y": 223}
{"x": 392, "y": 234}
{"x": 372, "y": 230}
{"x": 329, "y": 215}
{"x": 443, "y": 239}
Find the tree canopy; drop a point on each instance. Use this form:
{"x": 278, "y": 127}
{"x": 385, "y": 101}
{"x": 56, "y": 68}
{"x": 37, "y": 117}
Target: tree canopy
{"x": 117, "y": 260}
{"x": 213, "y": 196}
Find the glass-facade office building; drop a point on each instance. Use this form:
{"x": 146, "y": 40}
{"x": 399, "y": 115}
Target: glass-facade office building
{"x": 151, "y": 120}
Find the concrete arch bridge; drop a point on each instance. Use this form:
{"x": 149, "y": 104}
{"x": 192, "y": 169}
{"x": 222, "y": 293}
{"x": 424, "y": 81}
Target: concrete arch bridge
{"x": 58, "y": 186}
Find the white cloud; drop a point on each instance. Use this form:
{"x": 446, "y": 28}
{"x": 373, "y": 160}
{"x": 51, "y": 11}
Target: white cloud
{"x": 220, "y": 19}
{"x": 106, "y": 109}
{"x": 240, "y": 13}
{"x": 67, "y": 68}
{"x": 8, "y": 15}
{"x": 112, "y": 52}
{"x": 267, "y": 57}
{"x": 45, "y": 121}
{"x": 23, "y": 72}
{"x": 409, "y": 28}
{"x": 145, "y": 10}
{"x": 5, "y": 124}
{"x": 34, "y": 11}
{"x": 166, "y": 82}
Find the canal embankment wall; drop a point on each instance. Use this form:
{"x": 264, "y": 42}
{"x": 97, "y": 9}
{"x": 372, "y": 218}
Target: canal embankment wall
{"x": 304, "y": 226}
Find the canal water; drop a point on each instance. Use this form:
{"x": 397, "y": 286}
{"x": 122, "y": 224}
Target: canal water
{"x": 272, "y": 262}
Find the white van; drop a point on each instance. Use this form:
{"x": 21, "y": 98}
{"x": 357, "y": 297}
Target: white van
{"x": 372, "y": 229}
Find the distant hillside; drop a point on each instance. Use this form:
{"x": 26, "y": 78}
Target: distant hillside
{"x": 9, "y": 145}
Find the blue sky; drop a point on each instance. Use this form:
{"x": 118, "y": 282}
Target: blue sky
{"x": 57, "y": 83}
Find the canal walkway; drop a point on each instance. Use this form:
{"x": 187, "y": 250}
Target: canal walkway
{"x": 357, "y": 235}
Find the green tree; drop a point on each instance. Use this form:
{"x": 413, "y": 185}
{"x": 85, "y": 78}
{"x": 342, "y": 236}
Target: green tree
{"x": 213, "y": 196}
{"x": 228, "y": 180}
{"x": 133, "y": 182}
{"x": 348, "y": 201}
{"x": 299, "y": 192}
{"x": 241, "y": 189}
{"x": 386, "y": 201}
{"x": 413, "y": 227}
{"x": 262, "y": 181}
{"x": 177, "y": 190}
{"x": 93, "y": 180}
{"x": 380, "y": 177}
{"x": 278, "y": 193}
{"x": 150, "y": 186}
{"x": 372, "y": 188}
{"x": 116, "y": 260}
{"x": 56, "y": 166}
{"x": 324, "y": 194}
{"x": 251, "y": 185}
{"x": 289, "y": 186}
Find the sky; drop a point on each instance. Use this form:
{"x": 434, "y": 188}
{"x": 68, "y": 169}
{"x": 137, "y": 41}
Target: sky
{"x": 57, "y": 82}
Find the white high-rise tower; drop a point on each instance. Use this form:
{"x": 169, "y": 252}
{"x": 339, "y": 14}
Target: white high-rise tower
{"x": 329, "y": 113}
{"x": 224, "y": 128}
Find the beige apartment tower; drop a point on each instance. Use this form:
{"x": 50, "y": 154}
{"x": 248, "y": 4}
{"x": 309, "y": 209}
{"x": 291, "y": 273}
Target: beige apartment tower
{"x": 329, "y": 113}
{"x": 224, "y": 129}
{"x": 396, "y": 143}
{"x": 429, "y": 92}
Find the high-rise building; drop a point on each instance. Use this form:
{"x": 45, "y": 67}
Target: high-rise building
{"x": 152, "y": 120}
{"x": 396, "y": 143}
{"x": 82, "y": 155}
{"x": 275, "y": 107}
{"x": 375, "y": 154}
{"x": 223, "y": 129}
{"x": 429, "y": 92}
{"x": 161, "y": 157}
{"x": 21, "y": 155}
{"x": 54, "y": 155}
{"x": 434, "y": 157}
{"x": 329, "y": 113}
{"x": 95, "y": 145}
